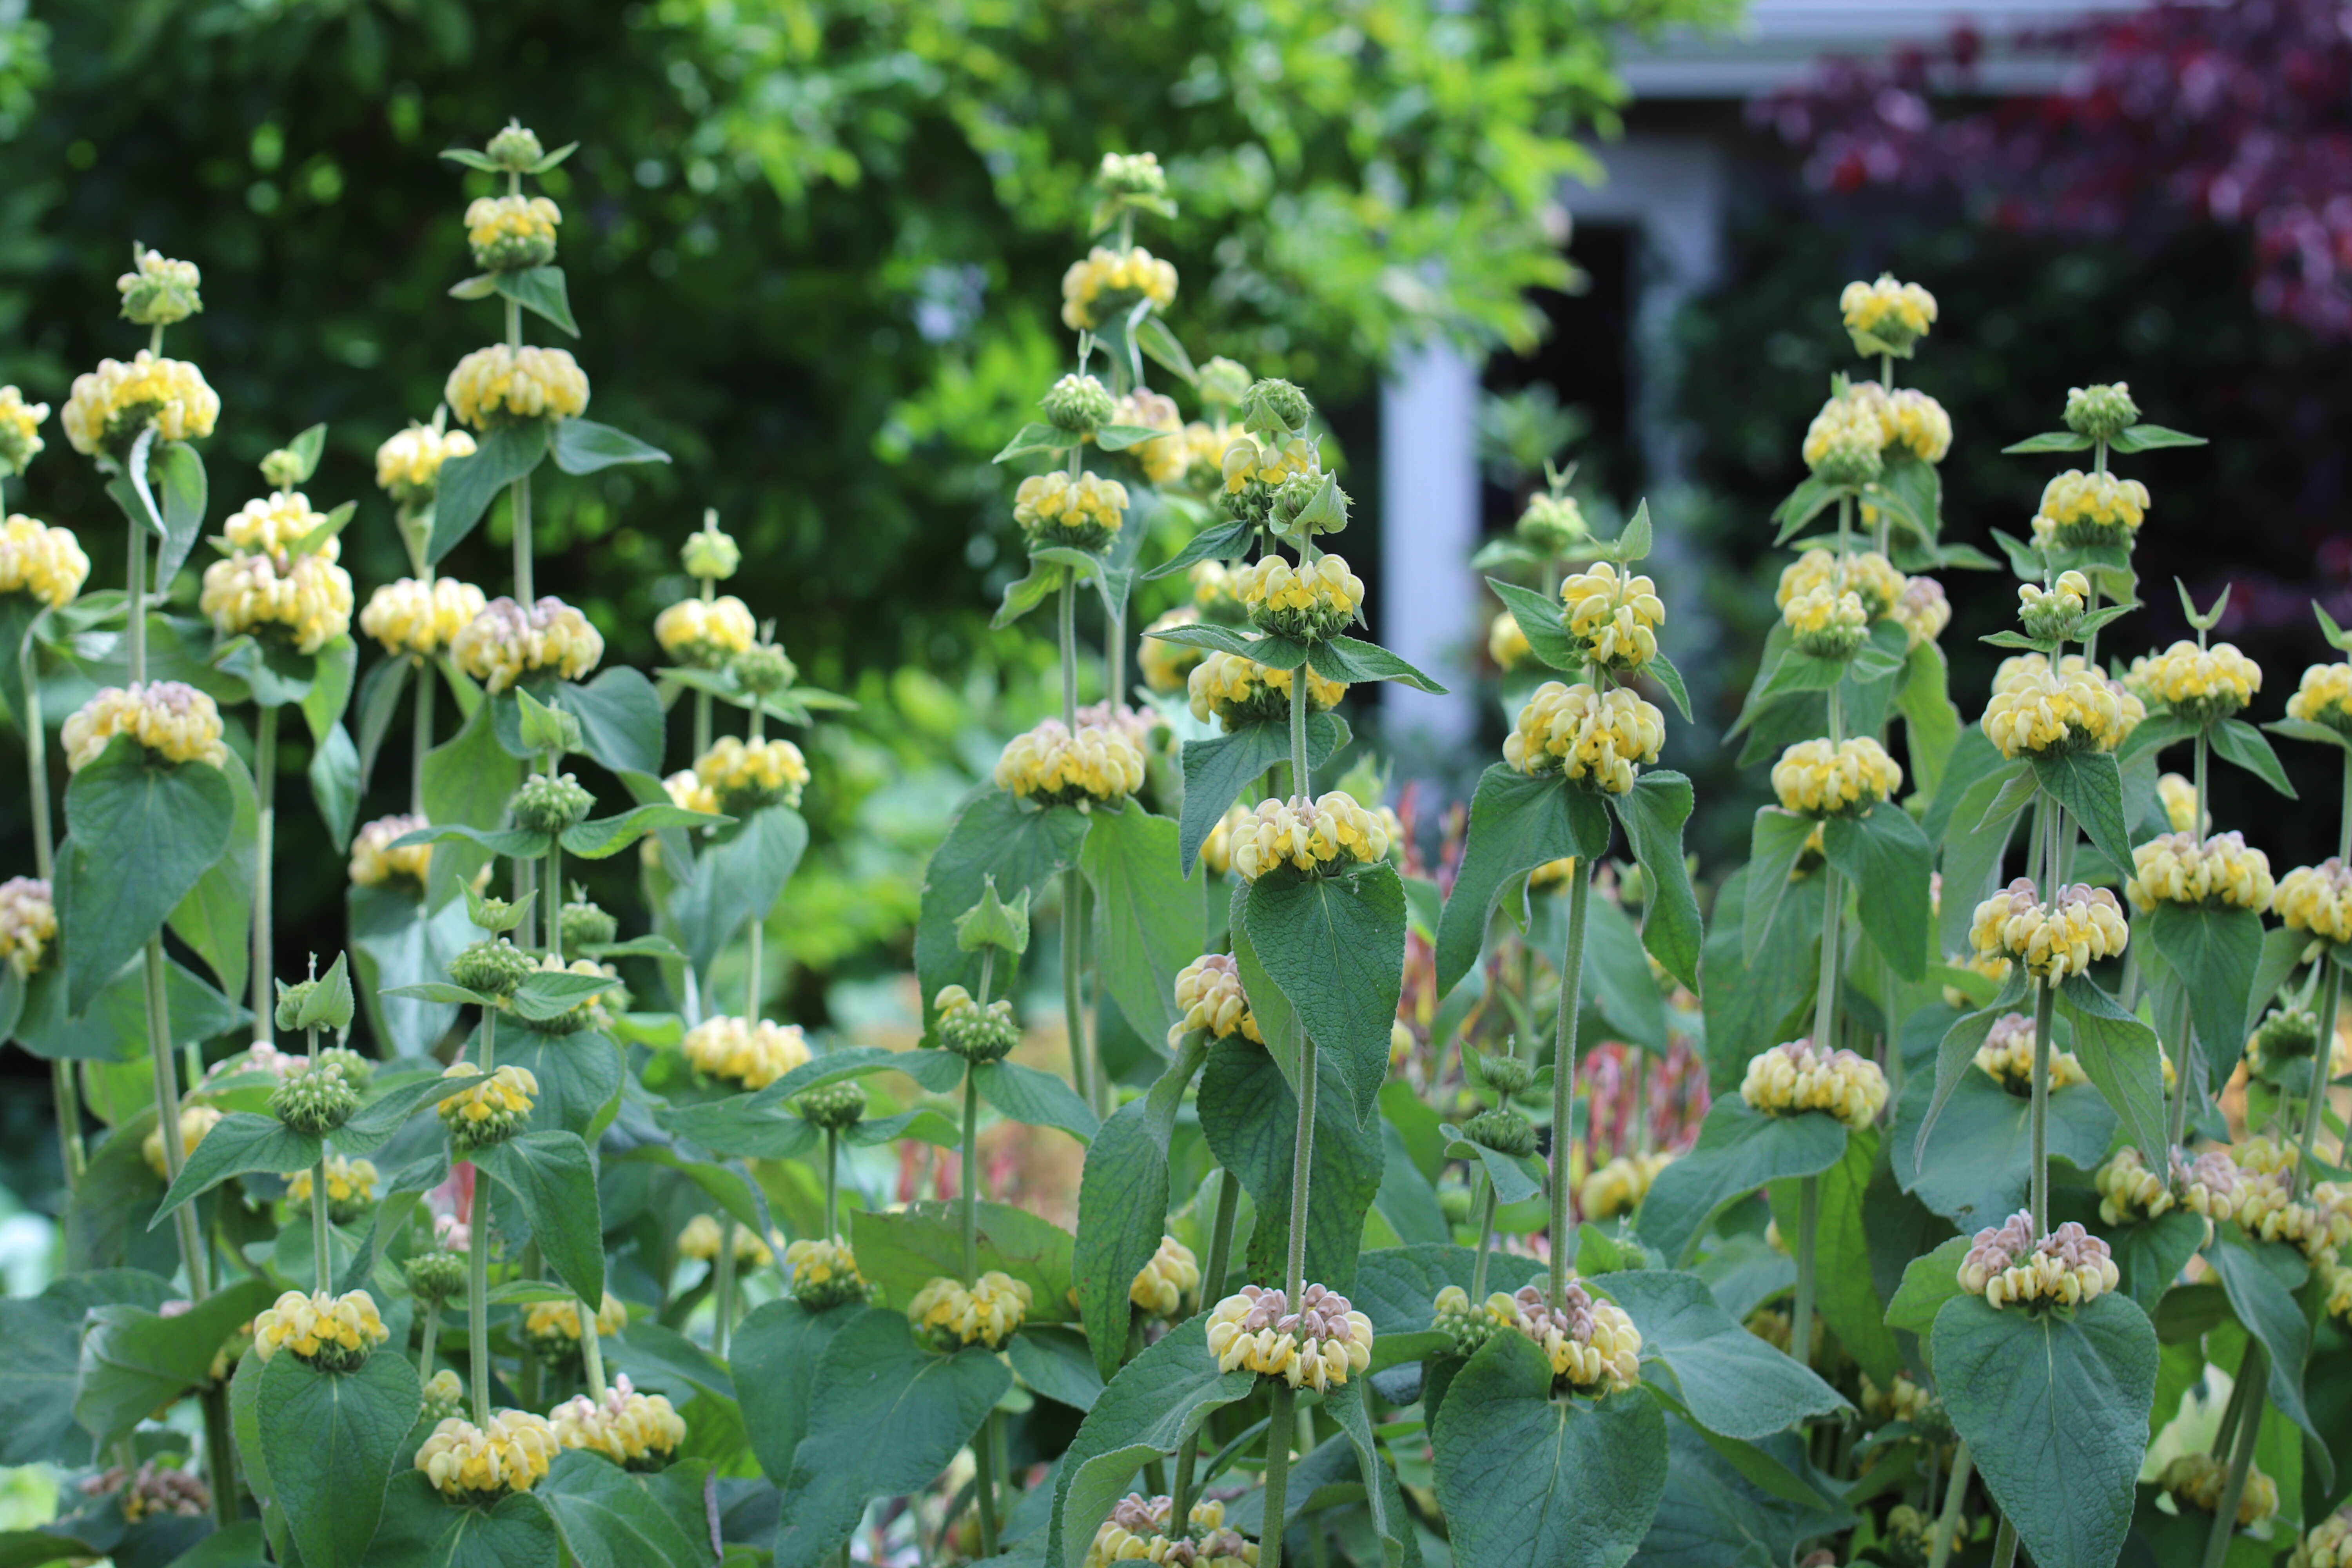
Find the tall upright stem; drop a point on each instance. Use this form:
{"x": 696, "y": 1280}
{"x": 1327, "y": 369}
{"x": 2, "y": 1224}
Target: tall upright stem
{"x": 520, "y": 489}
{"x": 2044, "y": 1013}
{"x": 37, "y": 783}
{"x": 722, "y": 1290}
{"x": 264, "y": 802}
{"x": 167, "y": 1118}
{"x": 135, "y": 605}
{"x": 426, "y": 677}
{"x": 1213, "y": 1286}
{"x": 1066, "y": 615}
{"x": 971, "y": 1176}
{"x": 430, "y": 1338}
{"x": 592, "y": 1354}
{"x": 478, "y": 1256}
{"x": 2181, "y": 1067}
{"x": 2251, "y": 1372}
{"x": 1073, "y": 1005}
{"x": 2323, "y": 1065}
{"x": 831, "y": 1183}
{"x": 1800, "y": 1311}
{"x": 1279, "y": 1429}
{"x": 1563, "y": 1078}
{"x": 1947, "y": 1523}
{"x": 1301, "y": 784}
{"x": 1302, "y": 1172}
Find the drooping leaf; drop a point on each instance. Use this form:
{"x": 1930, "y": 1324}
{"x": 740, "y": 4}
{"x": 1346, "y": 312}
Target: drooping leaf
{"x": 216, "y": 918}
{"x": 331, "y": 1440}
{"x": 992, "y": 835}
{"x": 469, "y": 779}
{"x": 2239, "y": 742}
{"x": 1776, "y": 843}
{"x": 134, "y": 1359}
{"x": 1738, "y": 1151}
{"x": 1250, "y": 1118}
{"x": 1352, "y": 660}
{"x": 1713, "y": 1516}
{"x": 1335, "y": 947}
{"x": 172, "y": 822}
{"x": 738, "y": 877}
{"x": 421, "y": 1528}
{"x": 620, "y": 719}
{"x": 1040, "y": 1098}
{"x": 1974, "y": 1169}
{"x": 1149, "y": 918}
{"x": 1517, "y": 823}
{"x": 239, "y": 1143}
{"x": 2250, "y": 1274}
{"x": 609, "y": 1518}
{"x": 2215, "y": 952}
{"x": 775, "y": 1353}
{"x": 1889, "y": 860}
{"x": 2120, "y": 1055}
{"x": 1217, "y": 770}
{"x": 1732, "y": 1382}
{"x": 540, "y": 290}
{"x": 2090, "y": 787}
{"x": 1847, "y": 1294}
{"x": 466, "y": 486}
{"x": 1745, "y": 1004}
{"x": 44, "y": 1336}
{"x": 553, "y": 1177}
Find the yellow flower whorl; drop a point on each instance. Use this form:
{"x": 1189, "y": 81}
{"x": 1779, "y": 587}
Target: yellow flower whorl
{"x": 507, "y": 642}
{"x": 1921, "y": 610}
{"x": 1843, "y": 443}
{"x": 1592, "y": 737}
{"x": 1054, "y": 767}
{"x": 824, "y": 1271}
{"x": 754, "y": 1054}
{"x": 111, "y": 404}
{"x": 47, "y": 563}
{"x": 1316, "y": 1347}
{"x": 20, "y": 428}
{"x": 1319, "y": 837}
{"x": 1868, "y": 575}
{"x": 2197, "y": 1479}
{"x": 1209, "y": 996}
{"x": 560, "y": 1320}
{"x": 636, "y": 1431}
{"x": 499, "y": 384}
{"x": 2220, "y": 872}
{"x": 2065, "y": 936}
{"x": 2129, "y": 1190}
{"x": 1084, "y": 512}
{"x": 195, "y": 1120}
{"x": 2079, "y": 509}
{"x": 408, "y": 464}
{"x": 1315, "y": 601}
{"x": 511, "y": 233}
{"x": 1506, "y": 641}
{"x": 1798, "y": 1077}
{"x": 700, "y": 1239}
{"x": 334, "y": 1331}
{"x": 469, "y": 1463}
{"x": 2200, "y": 684}
{"x": 706, "y": 633}
{"x": 1234, "y": 690}
{"x": 28, "y": 924}
{"x": 1823, "y": 780}
{"x": 1166, "y": 460}
{"x": 2324, "y": 697}
{"x": 173, "y": 720}
{"x": 414, "y": 619}
{"x": 2039, "y": 714}
{"x": 747, "y": 774}
{"x": 2178, "y": 798}
{"x": 1164, "y": 664}
{"x": 1614, "y": 617}
{"x": 1619, "y": 1186}
{"x": 2006, "y": 1057}
{"x": 308, "y": 601}
{"x": 503, "y": 1098}
{"x": 1889, "y": 315}
{"x": 986, "y": 1313}
{"x": 2317, "y": 899}
{"x": 1097, "y": 288}
{"x": 2007, "y": 1263}
{"x": 1163, "y": 1285}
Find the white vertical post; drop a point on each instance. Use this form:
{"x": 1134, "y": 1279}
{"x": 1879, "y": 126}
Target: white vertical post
{"x": 1429, "y": 530}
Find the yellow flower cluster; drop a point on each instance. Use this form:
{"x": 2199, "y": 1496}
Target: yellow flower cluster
{"x": 751, "y": 773}
{"x": 347, "y": 1181}
{"x": 2200, "y": 684}
{"x": 1824, "y": 780}
{"x": 2178, "y": 796}
{"x": 2079, "y": 509}
{"x": 1137, "y": 1532}
{"x": 688, "y": 792}
{"x": 1249, "y": 461}
{"x": 173, "y": 720}
{"x": 1843, "y": 443}
{"x": 47, "y": 563}
{"x": 706, "y": 633}
{"x": 20, "y": 426}
{"x": 816, "y": 1263}
{"x": 1916, "y": 422}
{"x": 1506, "y": 641}
{"x": 1311, "y": 602}
{"x": 111, "y": 404}
{"x": 1923, "y": 612}
{"x": 159, "y": 290}
{"x": 2039, "y": 714}
{"x": 1798, "y": 1077}
{"x": 754, "y": 1054}
{"x": 1163, "y": 1285}
{"x": 2317, "y": 899}
{"x": 335, "y": 1332}
{"x": 506, "y": 1096}
{"x": 2006, "y": 1057}
{"x": 28, "y": 924}
{"x": 1163, "y": 664}
{"x": 476, "y": 1464}
{"x": 2065, "y": 936}
{"x": 2324, "y": 697}
{"x": 416, "y": 619}
{"x": 700, "y": 1239}
{"x": 1905, "y": 1401}
{"x": 499, "y": 384}
{"x": 408, "y": 465}
{"x": 2129, "y": 1190}
{"x": 1594, "y": 738}
{"x": 1083, "y": 512}
{"x": 1891, "y": 314}
{"x": 2052, "y": 611}
{"x": 1868, "y": 575}
{"x": 1097, "y": 287}
{"x": 2197, "y": 1479}
{"x": 1236, "y": 690}
{"x": 1209, "y": 996}
{"x": 1217, "y": 848}
{"x": 1314, "y": 1347}
{"x": 375, "y": 862}
{"x": 1619, "y": 1186}
{"x": 2009, "y": 1263}
{"x": 1052, "y": 766}
{"x": 1993, "y": 966}
{"x": 308, "y": 599}
{"x": 510, "y": 233}
{"x": 1590, "y": 1344}
{"x": 636, "y": 1431}
{"x": 507, "y": 642}
{"x": 2329, "y": 1544}
{"x": 1165, "y": 459}
{"x": 1613, "y": 616}
{"x": 1826, "y": 623}
{"x": 2220, "y": 872}
{"x": 986, "y": 1313}
{"x": 1318, "y": 837}
{"x": 557, "y": 1321}
{"x": 195, "y": 1120}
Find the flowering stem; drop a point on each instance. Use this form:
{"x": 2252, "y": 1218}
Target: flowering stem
{"x": 1563, "y": 1079}
{"x": 478, "y": 1257}
{"x": 37, "y": 783}
{"x": 432, "y": 1336}
{"x": 1067, "y": 620}
{"x": 265, "y": 801}
{"x": 2322, "y": 1065}
{"x": 971, "y": 1175}
{"x": 167, "y": 1119}
{"x": 1833, "y": 939}
{"x": 1947, "y": 1523}
{"x": 425, "y": 677}
{"x": 983, "y": 1482}
{"x": 1299, "y": 781}
{"x": 2251, "y": 1372}
{"x": 2196, "y": 823}
{"x": 1279, "y": 1428}
{"x": 1302, "y": 1172}
{"x": 831, "y": 1183}
{"x": 1809, "y": 1225}
{"x": 592, "y": 1349}
{"x": 722, "y": 1289}
{"x": 1213, "y": 1286}
{"x": 2004, "y": 1544}
{"x": 2044, "y": 1012}
{"x": 2180, "y": 1070}
{"x": 1485, "y": 1238}
{"x": 1074, "y": 1006}
{"x": 220, "y": 1455}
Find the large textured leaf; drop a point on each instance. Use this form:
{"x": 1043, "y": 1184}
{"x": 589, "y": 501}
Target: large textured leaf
{"x": 1973, "y": 846}
{"x": 1745, "y": 1003}
{"x": 216, "y": 918}
{"x": 2120, "y": 1055}
{"x": 901, "y": 1250}
{"x": 239, "y": 1143}
{"x": 1335, "y": 947}
{"x": 397, "y": 941}
{"x": 2090, "y": 787}
{"x": 620, "y": 719}
{"x": 1146, "y": 1412}
{"x": 1123, "y": 1208}
{"x": 1713, "y": 1517}
{"x": 115, "y": 1028}
{"x": 1932, "y": 725}
{"x": 1148, "y": 920}
{"x": 1776, "y": 842}
{"x": 1217, "y": 772}
{"x": 994, "y": 835}
{"x": 1738, "y": 1151}
{"x": 775, "y": 1355}
{"x": 610, "y": 1518}
{"x": 2215, "y": 952}
{"x": 330, "y": 1441}
{"x": 172, "y": 822}
{"x": 2265, "y": 1304}
{"x": 1653, "y": 813}
{"x": 134, "y": 1360}
{"x": 1955, "y": 1055}
{"x": 1517, "y": 823}
{"x": 176, "y": 473}
{"x": 2055, "y": 1406}
{"x": 1251, "y": 1121}
{"x": 469, "y": 779}
{"x": 1888, "y": 860}
{"x": 423, "y": 1530}
{"x": 468, "y": 485}
{"x": 42, "y": 1334}
{"x": 583, "y": 446}
{"x": 1975, "y": 1168}
{"x": 886, "y": 1415}
{"x": 1848, "y": 1296}
{"x": 1040, "y": 1098}
{"x": 1731, "y": 1381}
{"x": 553, "y": 1177}
{"x": 738, "y": 879}
{"x": 1526, "y": 1478}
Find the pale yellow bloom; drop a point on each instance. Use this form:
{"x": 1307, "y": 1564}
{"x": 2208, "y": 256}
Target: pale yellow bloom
{"x": 1921, "y": 610}
{"x": 499, "y": 384}
{"x": 506, "y": 642}
{"x": 2007, "y": 1263}
{"x": 1506, "y": 642}
{"x": 1108, "y": 280}
{"x": 560, "y": 1319}
{"x": 469, "y": 1462}
{"x": 1217, "y": 850}
{"x": 2129, "y": 1190}
{"x": 1842, "y": 444}
{"x": 1163, "y": 664}
{"x": 347, "y": 1181}
{"x": 691, "y": 793}
{"x": 1591, "y": 736}
{"x": 509, "y": 233}
{"x": 700, "y": 1239}
{"x": 111, "y": 404}
{"x": 415, "y": 620}
{"x": 2220, "y": 872}
{"x": 2178, "y": 798}
{"x": 28, "y": 924}
{"x": 985, "y": 1313}
{"x": 2324, "y": 697}
{"x": 1236, "y": 690}
{"x": 1591, "y": 1345}
{"x": 2200, "y": 683}
{"x": 1318, "y": 837}
{"x": 1894, "y": 313}
{"x": 1868, "y": 575}
{"x": 2038, "y": 714}
{"x": 1050, "y": 765}
{"x": 1316, "y": 1347}
{"x": 636, "y": 1431}
{"x": 337, "y": 1331}
{"x": 408, "y": 465}
{"x": 1163, "y": 1285}
{"x": 1083, "y": 512}
{"x": 1248, "y": 461}
{"x": 1917, "y": 424}
{"x": 2006, "y": 1057}
{"x": 1825, "y": 623}
{"x": 2317, "y": 899}
{"x": 1209, "y": 996}
{"x": 754, "y": 1054}
{"x": 20, "y": 426}
{"x": 816, "y": 1263}
{"x": 1314, "y": 601}
{"x": 752, "y": 773}
{"x": 1164, "y": 461}
{"x": 2197, "y": 1479}
{"x": 1619, "y": 1186}
{"x": 1993, "y": 966}
{"x": 47, "y": 563}
{"x": 706, "y": 633}
{"x": 1798, "y": 1077}
{"x": 171, "y": 719}
{"x": 195, "y": 1120}
{"x": 306, "y": 600}
{"x": 2080, "y": 509}
{"x": 1613, "y": 616}
{"x": 1824, "y": 780}
{"x": 2080, "y": 926}
{"x": 491, "y": 1110}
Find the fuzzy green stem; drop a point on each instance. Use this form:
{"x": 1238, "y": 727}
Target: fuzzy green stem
{"x": 2044, "y": 1018}
{"x": 1067, "y": 624}
{"x": 321, "y": 1241}
{"x": 432, "y": 1336}
{"x": 2323, "y": 1063}
{"x": 1947, "y": 1523}
{"x": 2004, "y": 1544}
{"x": 1213, "y": 1285}
{"x": 1074, "y": 1006}
{"x": 983, "y": 1483}
{"x": 1300, "y": 782}
{"x": 831, "y": 1183}
{"x": 971, "y": 1175}
{"x": 1563, "y": 1078}
{"x": 592, "y": 1349}
{"x": 555, "y": 877}
{"x": 1114, "y": 658}
{"x": 1825, "y": 992}
{"x": 167, "y": 1117}
{"x": 477, "y": 1255}
{"x": 702, "y": 736}
{"x": 265, "y": 801}
{"x": 1485, "y": 1238}
{"x": 36, "y": 782}
{"x": 2183, "y": 1063}
{"x": 1809, "y": 1225}
{"x": 422, "y": 743}
{"x": 1302, "y": 1174}
{"x": 1278, "y": 1434}
{"x": 722, "y": 1289}
{"x": 220, "y": 1455}
{"x": 2252, "y": 1371}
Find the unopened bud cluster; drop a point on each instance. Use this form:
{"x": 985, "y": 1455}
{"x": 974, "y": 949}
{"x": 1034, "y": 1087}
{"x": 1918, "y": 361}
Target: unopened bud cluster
{"x": 1166, "y": 1284}
{"x": 1792, "y": 1079}
{"x": 979, "y": 1035}
{"x": 1078, "y": 403}
{"x": 1594, "y": 738}
{"x": 506, "y": 642}
{"x": 2102, "y": 413}
{"x": 2009, "y": 1263}
{"x": 751, "y": 1055}
{"x": 1319, "y": 837}
{"x": 1591, "y": 1345}
{"x": 333, "y": 1334}
{"x": 711, "y": 553}
{"x": 159, "y": 292}
{"x": 1886, "y": 317}
{"x": 2006, "y": 1057}
{"x": 1846, "y": 778}
{"x": 1209, "y": 996}
{"x": 491, "y": 968}
{"x": 824, "y": 1273}
{"x": 2080, "y": 926}
{"x": 436, "y": 1276}
{"x": 950, "y": 1314}
{"x": 1612, "y": 617}
{"x": 636, "y": 1431}
{"x": 1316, "y": 1346}
{"x": 317, "y": 1102}
{"x": 2054, "y": 614}
{"x": 550, "y": 804}
{"x": 834, "y": 1107}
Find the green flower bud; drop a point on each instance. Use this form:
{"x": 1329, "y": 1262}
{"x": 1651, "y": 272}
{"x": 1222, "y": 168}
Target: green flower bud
{"x": 1506, "y": 1075}
{"x": 1503, "y": 1131}
{"x": 1850, "y": 457}
{"x": 282, "y": 469}
{"x": 587, "y": 925}
{"x": 836, "y": 1107}
{"x": 444, "y": 1396}
{"x": 2102, "y": 413}
{"x": 2286, "y": 1034}
{"x": 515, "y": 147}
{"x": 358, "y": 1070}
{"x": 157, "y": 290}
{"x": 492, "y": 968}
{"x": 1312, "y": 500}
{"x": 290, "y": 999}
{"x": 1466, "y": 1323}
{"x": 1132, "y": 175}
{"x": 979, "y": 1034}
{"x": 1223, "y": 383}
{"x": 1279, "y": 403}
{"x": 1078, "y": 403}
{"x": 316, "y": 1101}
{"x": 1552, "y": 524}
{"x": 763, "y": 669}
{"x": 710, "y": 553}
{"x": 436, "y": 1276}
{"x": 546, "y": 804}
